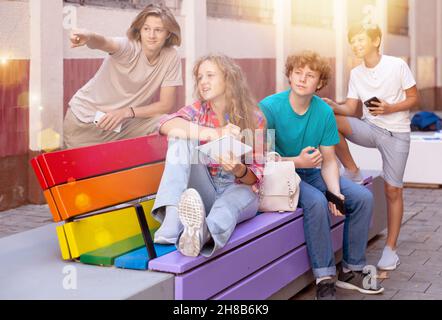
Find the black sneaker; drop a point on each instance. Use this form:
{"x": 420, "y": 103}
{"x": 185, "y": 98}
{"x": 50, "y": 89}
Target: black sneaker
{"x": 354, "y": 280}
{"x": 325, "y": 290}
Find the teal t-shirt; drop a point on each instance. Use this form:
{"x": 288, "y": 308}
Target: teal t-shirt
{"x": 293, "y": 132}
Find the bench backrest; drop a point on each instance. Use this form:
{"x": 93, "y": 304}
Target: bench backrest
{"x": 82, "y": 180}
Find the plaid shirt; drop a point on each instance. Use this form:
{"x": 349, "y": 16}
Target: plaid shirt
{"x": 203, "y": 115}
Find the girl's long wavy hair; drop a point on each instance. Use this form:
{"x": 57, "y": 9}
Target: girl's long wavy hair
{"x": 241, "y": 105}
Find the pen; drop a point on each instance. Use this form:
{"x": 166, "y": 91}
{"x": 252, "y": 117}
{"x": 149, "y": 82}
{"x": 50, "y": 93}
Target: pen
{"x": 226, "y": 118}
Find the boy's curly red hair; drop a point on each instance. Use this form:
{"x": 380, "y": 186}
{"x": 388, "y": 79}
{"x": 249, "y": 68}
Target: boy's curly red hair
{"x": 314, "y": 61}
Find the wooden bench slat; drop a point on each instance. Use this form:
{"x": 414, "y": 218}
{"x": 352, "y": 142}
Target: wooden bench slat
{"x": 83, "y": 196}
{"x": 52, "y": 205}
{"x": 99, "y": 231}
{"x": 238, "y": 264}
{"x": 39, "y": 173}
{"x": 138, "y": 259}
{"x": 60, "y": 167}
{"x": 270, "y": 279}
{"x": 175, "y": 262}
{"x": 63, "y": 242}
{"x": 267, "y": 281}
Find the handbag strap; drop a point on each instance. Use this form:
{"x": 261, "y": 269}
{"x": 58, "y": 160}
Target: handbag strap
{"x": 278, "y": 156}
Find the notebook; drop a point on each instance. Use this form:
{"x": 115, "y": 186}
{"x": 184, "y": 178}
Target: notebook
{"x": 222, "y": 146}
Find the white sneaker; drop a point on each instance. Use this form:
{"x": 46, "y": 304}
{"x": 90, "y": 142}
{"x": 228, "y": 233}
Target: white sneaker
{"x": 193, "y": 217}
{"x": 356, "y": 177}
{"x": 389, "y": 260}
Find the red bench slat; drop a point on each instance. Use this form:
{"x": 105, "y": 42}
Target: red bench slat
{"x": 80, "y": 163}
{"x": 38, "y": 173}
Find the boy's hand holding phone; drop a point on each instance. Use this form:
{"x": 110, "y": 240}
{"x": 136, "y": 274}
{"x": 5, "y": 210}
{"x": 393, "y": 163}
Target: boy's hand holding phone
{"x": 336, "y": 203}
{"x": 378, "y": 106}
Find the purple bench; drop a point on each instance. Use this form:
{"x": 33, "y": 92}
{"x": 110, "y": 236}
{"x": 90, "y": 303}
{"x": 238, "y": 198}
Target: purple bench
{"x": 264, "y": 255}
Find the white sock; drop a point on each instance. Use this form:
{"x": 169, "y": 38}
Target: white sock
{"x": 388, "y": 248}
{"x": 322, "y": 278}
{"x": 171, "y": 225}
{"x": 171, "y": 219}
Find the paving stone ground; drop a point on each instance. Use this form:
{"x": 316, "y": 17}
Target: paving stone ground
{"x": 419, "y": 275}
{"x": 419, "y": 247}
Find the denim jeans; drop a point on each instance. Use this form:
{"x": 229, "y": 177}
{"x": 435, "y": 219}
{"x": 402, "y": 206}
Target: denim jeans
{"x": 226, "y": 202}
{"x": 317, "y": 223}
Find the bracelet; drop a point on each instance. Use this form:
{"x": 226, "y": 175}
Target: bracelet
{"x": 245, "y": 173}
{"x": 133, "y": 112}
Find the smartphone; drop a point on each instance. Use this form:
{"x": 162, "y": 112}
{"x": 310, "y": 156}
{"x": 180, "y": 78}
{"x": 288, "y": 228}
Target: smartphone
{"x": 99, "y": 115}
{"x": 331, "y": 197}
{"x": 369, "y": 104}
{"x": 369, "y": 101}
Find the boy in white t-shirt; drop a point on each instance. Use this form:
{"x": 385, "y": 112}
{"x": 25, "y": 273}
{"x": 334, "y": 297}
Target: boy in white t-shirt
{"x": 385, "y": 124}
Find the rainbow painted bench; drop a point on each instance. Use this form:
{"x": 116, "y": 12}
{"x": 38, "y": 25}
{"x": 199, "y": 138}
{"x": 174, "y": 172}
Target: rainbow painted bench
{"x": 101, "y": 197}
{"x": 104, "y": 194}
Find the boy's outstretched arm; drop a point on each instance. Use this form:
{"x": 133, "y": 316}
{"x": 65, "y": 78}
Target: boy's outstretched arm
{"x": 81, "y": 37}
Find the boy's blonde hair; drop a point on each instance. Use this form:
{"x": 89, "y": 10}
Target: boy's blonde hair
{"x": 314, "y": 61}
{"x": 169, "y": 21}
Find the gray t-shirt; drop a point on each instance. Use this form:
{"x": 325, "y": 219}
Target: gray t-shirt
{"x": 126, "y": 78}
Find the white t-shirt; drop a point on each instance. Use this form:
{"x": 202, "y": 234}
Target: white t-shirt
{"x": 126, "y": 78}
{"x": 388, "y": 81}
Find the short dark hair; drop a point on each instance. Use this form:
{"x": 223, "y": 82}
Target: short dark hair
{"x": 372, "y": 30}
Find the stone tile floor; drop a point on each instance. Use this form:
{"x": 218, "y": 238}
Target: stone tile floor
{"x": 420, "y": 247}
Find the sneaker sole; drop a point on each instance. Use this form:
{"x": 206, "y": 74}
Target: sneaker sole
{"x": 164, "y": 240}
{"x": 349, "y": 286}
{"x": 190, "y": 211}
{"x": 391, "y": 268}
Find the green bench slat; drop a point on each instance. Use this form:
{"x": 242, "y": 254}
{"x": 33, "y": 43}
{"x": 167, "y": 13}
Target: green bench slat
{"x": 106, "y": 256}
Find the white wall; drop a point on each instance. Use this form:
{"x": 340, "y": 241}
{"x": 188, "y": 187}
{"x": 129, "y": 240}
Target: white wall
{"x": 396, "y": 45}
{"x": 253, "y": 40}
{"x": 239, "y": 39}
{"x": 317, "y": 39}
{"x": 14, "y": 29}
{"x": 236, "y": 38}
{"x": 426, "y": 28}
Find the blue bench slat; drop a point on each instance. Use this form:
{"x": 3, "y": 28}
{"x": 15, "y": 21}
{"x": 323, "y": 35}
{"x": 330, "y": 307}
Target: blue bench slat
{"x": 138, "y": 259}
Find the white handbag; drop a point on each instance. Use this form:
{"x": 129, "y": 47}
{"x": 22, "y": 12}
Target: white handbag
{"x": 279, "y": 189}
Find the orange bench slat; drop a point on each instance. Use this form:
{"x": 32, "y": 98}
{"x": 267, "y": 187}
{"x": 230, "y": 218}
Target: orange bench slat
{"x": 83, "y": 196}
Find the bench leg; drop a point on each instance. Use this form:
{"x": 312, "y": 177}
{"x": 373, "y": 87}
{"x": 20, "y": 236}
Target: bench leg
{"x": 145, "y": 231}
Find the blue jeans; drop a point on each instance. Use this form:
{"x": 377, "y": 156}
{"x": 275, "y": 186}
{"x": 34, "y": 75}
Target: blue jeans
{"x": 317, "y": 223}
{"x": 226, "y": 202}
